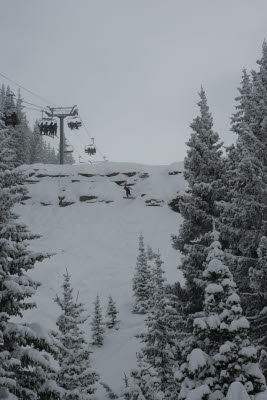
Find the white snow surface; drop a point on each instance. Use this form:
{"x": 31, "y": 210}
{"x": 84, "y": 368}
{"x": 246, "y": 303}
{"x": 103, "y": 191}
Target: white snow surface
{"x": 98, "y": 243}
{"x": 197, "y": 359}
{"x": 237, "y": 391}
{"x": 198, "y": 393}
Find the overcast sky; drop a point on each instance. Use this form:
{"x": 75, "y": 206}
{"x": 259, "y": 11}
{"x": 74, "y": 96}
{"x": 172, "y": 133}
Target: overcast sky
{"x": 133, "y": 67}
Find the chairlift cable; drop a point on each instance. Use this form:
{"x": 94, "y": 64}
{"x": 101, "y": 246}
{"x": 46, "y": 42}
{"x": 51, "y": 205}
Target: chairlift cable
{"x": 32, "y": 104}
{"x": 27, "y": 90}
{"x": 34, "y": 109}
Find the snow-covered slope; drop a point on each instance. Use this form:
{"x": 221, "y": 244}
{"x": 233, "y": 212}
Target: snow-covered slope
{"x": 82, "y": 218}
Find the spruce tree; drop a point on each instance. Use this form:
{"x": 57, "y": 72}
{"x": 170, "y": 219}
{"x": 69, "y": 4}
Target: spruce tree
{"x": 75, "y": 376}
{"x": 220, "y": 351}
{"x": 97, "y": 324}
{"x": 243, "y": 213}
{"x": 154, "y": 376}
{"x": 157, "y": 274}
{"x": 112, "y": 313}
{"x": 25, "y": 368}
{"x": 150, "y": 253}
{"x": 258, "y": 298}
{"x": 68, "y": 157}
{"x": 204, "y": 173}
{"x": 21, "y": 134}
{"x": 36, "y": 146}
{"x": 142, "y": 281}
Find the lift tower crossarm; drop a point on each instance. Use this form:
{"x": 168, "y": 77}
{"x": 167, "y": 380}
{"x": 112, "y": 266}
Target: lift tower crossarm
{"x": 61, "y": 113}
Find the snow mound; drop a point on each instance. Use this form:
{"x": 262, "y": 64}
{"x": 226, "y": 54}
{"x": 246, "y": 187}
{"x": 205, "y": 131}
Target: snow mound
{"x": 237, "y": 391}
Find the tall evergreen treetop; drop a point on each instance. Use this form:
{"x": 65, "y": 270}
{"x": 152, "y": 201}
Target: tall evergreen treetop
{"x": 203, "y": 161}
{"x": 142, "y": 280}
{"x": 204, "y": 168}
{"x": 75, "y": 376}
{"x": 97, "y": 324}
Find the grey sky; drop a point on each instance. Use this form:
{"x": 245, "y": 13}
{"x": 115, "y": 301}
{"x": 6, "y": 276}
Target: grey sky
{"x": 134, "y": 67}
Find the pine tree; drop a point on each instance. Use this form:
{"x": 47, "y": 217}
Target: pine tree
{"x": 142, "y": 281}
{"x": 51, "y": 155}
{"x": 150, "y": 253}
{"x": 154, "y": 376}
{"x": 258, "y": 283}
{"x": 68, "y": 157}
{"x": 220, "y": 352}
{"x": 157, "y": 275}
{"x": 244, "y": 209}
{"x": 112, "y": 313}
{"x": 25, "y": 369}
{"x": 75, "y": 376}
{"x": 36, "y": 146}
{"x": 21, "y": 134}
{"x": 203, "y": 171}
{"x": 97, "y": 324}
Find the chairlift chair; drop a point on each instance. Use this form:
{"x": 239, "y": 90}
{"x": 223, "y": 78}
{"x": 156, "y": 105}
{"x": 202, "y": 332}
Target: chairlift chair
{"x": 69, "y": 149}
{"x": 74, "y": 123}
{"x": 46, "y": 128}
{"x": 91, "y": 148}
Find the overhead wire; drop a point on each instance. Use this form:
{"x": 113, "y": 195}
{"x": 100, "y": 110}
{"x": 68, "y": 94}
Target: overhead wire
{"x": 32, "y": 104}
{"x": 27, "y": 90}
{"x": 30, "y": 108}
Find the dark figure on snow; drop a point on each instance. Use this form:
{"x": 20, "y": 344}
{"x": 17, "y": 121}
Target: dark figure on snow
{"x": 127, "y": 190}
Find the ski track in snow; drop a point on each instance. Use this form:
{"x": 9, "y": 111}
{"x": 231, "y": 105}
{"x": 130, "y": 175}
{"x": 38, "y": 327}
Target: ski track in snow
{"x": 98, "y": 244}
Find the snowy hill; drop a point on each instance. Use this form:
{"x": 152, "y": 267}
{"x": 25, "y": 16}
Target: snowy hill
{"x": 82, "y": 218}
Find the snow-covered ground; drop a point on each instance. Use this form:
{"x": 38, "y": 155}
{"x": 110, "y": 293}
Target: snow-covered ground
{"x": 96, "y": 239}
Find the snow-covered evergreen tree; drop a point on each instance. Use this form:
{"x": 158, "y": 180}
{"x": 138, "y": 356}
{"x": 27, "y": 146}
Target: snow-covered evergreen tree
{"x": 157, "y": 274}
{"x": 25, "y": 369}
{"x": 97, "y": 324}
{"x": 244, "y": 209}
{"x": 142, "y": 281}
{"x": 258, "y": 301}
{"x": 37, "y": 154}
{"x": 21, "y": 134}
{"x": 51, "y": 157}
{"x": 68, "y": 157}
{"x": 153, "y": 378}
{"x": 220, "y": 351}
{"x": 203, "y": 171}
{"x": 112, "y": 313}
{"x": 75, "y": 376}
{"x": 150, "y": 253}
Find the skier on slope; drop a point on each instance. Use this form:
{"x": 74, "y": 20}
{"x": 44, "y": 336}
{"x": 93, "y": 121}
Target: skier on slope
{"x": 127, "y": 190}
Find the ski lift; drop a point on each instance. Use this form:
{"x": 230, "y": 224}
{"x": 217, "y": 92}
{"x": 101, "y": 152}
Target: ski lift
{"x": 74, "y": 123}
{"x": 48, "y": 126}
{"x": 90, "y": 149}
{"x": 69, "y": 149}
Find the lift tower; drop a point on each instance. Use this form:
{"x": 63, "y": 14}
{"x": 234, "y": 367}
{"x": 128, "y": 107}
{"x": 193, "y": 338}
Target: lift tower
{"x": 61, "y": 113}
